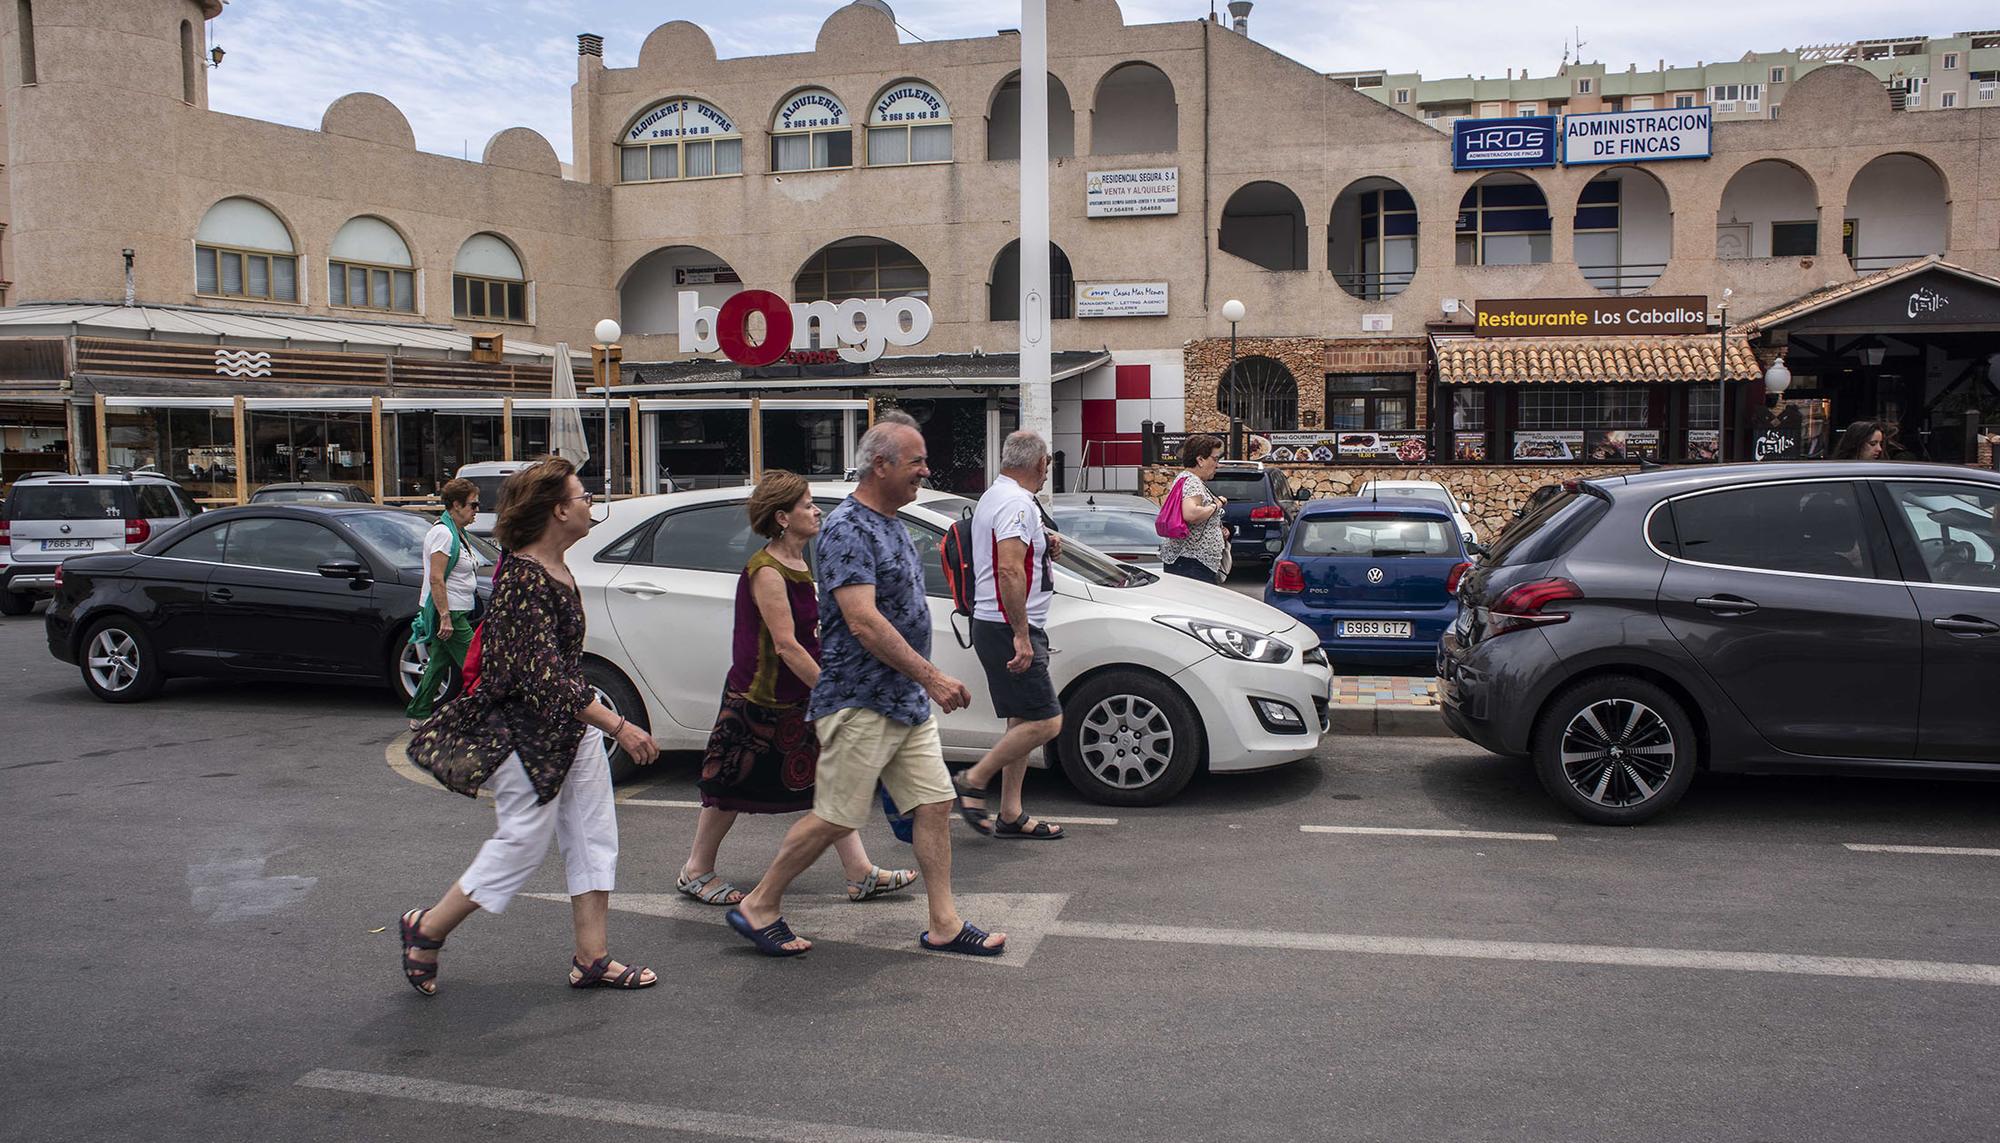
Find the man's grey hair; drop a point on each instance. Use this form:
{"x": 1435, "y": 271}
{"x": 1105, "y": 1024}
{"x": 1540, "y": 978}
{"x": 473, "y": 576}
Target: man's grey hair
{"x": 879, "y": 442}
{"x": 1023, "y": 450}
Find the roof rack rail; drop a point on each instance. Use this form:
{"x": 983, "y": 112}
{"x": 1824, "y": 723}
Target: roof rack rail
{"x": 42, "y": 472}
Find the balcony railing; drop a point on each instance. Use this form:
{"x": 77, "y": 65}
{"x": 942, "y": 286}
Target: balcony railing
{"x": 1869, "y": 263}
{"x": 1624, "y": 277}
{"x": 1375, "y": 286}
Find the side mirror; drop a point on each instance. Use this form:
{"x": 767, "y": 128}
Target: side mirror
{"x": 1302, "y": 494}
{"x": 344, "y": 569}
{"x": 1476, "y": 548}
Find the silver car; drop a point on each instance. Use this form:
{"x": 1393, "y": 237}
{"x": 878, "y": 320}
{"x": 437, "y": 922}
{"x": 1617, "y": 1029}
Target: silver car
{"x": 1117, "y": 524}
{"x": 52, "y": 516}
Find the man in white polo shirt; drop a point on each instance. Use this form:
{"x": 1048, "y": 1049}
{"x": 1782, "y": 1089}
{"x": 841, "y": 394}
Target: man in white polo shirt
{"x": 1013, "y": 558}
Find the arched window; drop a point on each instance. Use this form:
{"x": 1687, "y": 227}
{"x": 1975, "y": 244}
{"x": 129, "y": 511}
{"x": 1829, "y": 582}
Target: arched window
{"x": 1264, "y": 223}
{"x": 812, "y": 133}
{"x": 649, "y": 293}
{"x": 910, "y": 123}
{"x": 680, "y": 139}
{"x": 1770, "y": 209}
{"x": 1372, "y": 239}
{"x": 1624, "y": 230}
{"x": 1003, "y": 121}
{"x": 1135, "y": 112}
{"x": 1262, "y": 393}
{"x": 1503, "y": 220}
{"x": 370, "y": 268}
{"x": 242, "y": 250}
{"x": 487, "y": 282}
{"x": 1897, "y": 212}
{"x": 861, "y": 268}
{"x": 1003, "y": 299}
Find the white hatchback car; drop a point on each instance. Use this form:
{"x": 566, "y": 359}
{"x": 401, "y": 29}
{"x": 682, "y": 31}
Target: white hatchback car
{"x": 1429, "y": 491}
{"x": 1159, "y": 676}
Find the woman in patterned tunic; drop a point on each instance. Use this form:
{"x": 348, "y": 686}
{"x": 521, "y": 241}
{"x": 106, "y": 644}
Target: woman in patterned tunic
{"x": 532, "y": 733}
{"x": 1198, "y": 555}
{"x": 763, "y": 753}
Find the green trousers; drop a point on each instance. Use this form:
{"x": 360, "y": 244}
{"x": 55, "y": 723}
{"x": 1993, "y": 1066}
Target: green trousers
{"x": 452, "y": 647}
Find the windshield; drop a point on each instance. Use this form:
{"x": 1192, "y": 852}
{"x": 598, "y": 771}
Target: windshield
{"x": 399, "y": 536}
{"x": 1110, "y": 530}
{"x": 1564, "y": 515}
{"x": 1240, "y": 488}
{"x": 1436, "y": 496}
{"x": 489, "y": 492}
{"x": 68, "y": 502}
{"x": 297, "y": 496}
{"x": 1376, "y": 537}
{"x": 1080, "y": 561}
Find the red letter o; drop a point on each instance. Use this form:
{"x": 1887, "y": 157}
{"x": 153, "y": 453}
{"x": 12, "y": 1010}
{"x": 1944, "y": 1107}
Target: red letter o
{"x": 732, "y": 328}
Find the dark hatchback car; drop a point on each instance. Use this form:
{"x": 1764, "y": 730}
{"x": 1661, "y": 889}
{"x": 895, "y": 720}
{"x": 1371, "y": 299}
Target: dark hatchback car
{"x": 1260, "y": 509}
{"x": 1822, "y": 617}
{"x": 311, "y": 492}
{"x": 1374, "y": 579}
{"x": 318, "y": 593}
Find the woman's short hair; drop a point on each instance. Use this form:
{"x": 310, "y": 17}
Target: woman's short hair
{"x": 528, "y": 500}
{"x": 1197, "y": 448}
{"x": 777, "y": 491}
{"x": 457, "y": 491}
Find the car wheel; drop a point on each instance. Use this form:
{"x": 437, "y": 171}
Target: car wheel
{"x": 1615, "y": 751}
{"x": 406, "y": 672}
{"x": 15, "y": 602}
{"x": 1129, "y": 739}
{"x": 118, "y": 661}
{"x": 614, "y": 691}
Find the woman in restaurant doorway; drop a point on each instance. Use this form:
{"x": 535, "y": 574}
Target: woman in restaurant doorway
{"x": 763, "y": 753}
{"x": 1865, "y": 440}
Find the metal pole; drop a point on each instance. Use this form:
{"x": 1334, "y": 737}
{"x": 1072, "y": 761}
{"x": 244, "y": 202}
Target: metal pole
{"x": 1232, "y": 379}
{"x": 1722, "y": 385}
{"x": 1037, "y": 369}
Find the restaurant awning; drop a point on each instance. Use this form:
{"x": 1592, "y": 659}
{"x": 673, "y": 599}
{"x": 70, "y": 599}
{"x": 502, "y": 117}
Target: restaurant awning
{"x": 1589, "y": 360}
{"x": 998, "y": 371}
{"x": 215, "y": 326}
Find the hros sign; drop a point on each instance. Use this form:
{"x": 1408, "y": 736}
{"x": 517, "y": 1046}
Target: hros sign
{"x": 859, "y": 329}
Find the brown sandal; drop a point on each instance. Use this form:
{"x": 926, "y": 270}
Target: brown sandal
{"x": 592, "y": 975}
{"x": 419, "y": 972}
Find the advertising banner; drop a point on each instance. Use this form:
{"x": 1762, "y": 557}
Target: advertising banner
{"x": 1566, "y": 444}
{"x": 1121, "y": 299}
{"x": 1501, "y": 144}
{"x": 1703, "y": 444}
{"x": 1124, "y": 194}
{"x": 1614, "y": 445}
{"x": 1636, "y": 136}
{"x": 1468, "y": 447}
{"x": 1351, "y": 446}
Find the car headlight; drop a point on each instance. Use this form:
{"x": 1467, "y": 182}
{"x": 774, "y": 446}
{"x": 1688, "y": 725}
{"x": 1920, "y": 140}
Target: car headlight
{"x": 1229, "y": 639}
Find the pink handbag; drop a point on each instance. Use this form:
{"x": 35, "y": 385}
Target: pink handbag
{"x": 1170, "y": 523}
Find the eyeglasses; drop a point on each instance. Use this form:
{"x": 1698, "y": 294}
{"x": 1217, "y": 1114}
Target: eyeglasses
{"x": 587, "y": 498}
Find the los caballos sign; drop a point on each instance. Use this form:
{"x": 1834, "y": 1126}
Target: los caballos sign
{"x": 858, "y": 329}
{"x": 1599, "y": 317}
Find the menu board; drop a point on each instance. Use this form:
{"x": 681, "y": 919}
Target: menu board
{"x": 1703, "y": 443}
{"x": 1614, "y": 445}
{"x": 1350, "y": 445}
{"x": 1549, "y": 446}
{"x": 1468, "y": 446}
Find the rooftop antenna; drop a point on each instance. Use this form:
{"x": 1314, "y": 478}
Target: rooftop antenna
{"x": 1578, "y": 35}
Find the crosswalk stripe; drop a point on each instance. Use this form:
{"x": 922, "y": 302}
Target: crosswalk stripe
{"x": 1388, "y": 831}
{"x": 1939, "y": 850}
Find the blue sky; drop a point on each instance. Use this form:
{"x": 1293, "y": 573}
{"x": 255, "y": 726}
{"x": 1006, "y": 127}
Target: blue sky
{"x": 464, "y": 69}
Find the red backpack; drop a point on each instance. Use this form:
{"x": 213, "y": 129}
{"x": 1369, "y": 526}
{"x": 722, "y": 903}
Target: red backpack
{"x": 955, "y": 552}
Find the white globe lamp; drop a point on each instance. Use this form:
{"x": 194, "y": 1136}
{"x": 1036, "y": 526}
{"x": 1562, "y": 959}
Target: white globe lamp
{"x": 608, "y": 332}
{"x": 1232, "y": 311}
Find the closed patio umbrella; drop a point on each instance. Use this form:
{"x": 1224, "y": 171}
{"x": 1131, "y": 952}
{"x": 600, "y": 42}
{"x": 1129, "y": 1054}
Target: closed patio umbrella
{"x": 566, "y": 425}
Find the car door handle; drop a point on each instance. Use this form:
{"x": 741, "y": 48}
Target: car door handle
{"x": 1966, "y": 625}
{"x": 1726, "y": 604}
{"x": 642, "y": 590}
{"x": 221, "y": 595}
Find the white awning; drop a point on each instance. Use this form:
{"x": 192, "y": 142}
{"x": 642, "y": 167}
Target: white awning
{"x": 267, "y": 330}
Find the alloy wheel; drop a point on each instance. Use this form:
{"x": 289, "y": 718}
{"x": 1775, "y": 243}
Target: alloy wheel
{"x": 1617, "y": 752}
{"x": 410, "y": 666}
{"x": 114, "y": 659}
{"x": 1126, "y": 742}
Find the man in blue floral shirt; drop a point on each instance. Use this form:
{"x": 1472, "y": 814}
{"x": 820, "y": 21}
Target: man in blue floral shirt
{"x": 872, "y": 705}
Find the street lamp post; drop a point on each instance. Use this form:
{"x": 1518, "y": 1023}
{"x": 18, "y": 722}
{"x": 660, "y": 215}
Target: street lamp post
{"x": 1233, "y": 312}
{"x": 604, "y": 364}
{"x": 1722, "y": 381}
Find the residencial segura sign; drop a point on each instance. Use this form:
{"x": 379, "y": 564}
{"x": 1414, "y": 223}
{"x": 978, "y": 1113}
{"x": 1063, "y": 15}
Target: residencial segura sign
{"x": 1121, "y": 299}
{"x": 1636, "y": 136}
{"x": 1591, "y": 317}
{"x": 1494, "y": 144}
{"x": 859, "y": 329}
{"x": 1122, "y": 194}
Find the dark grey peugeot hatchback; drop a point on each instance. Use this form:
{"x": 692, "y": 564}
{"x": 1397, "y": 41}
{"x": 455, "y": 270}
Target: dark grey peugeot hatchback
{"x": 1815, "y": 617}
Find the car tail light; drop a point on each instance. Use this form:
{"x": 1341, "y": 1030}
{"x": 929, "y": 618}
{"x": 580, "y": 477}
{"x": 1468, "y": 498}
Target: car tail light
{"x": 1521, "y": 606}
{"x": 6, "y": 533}
{"x": 1451, "y": 581}
{"x": 1287, "y": 578}
{"x": 137, "y": 531}
{"x": 58, "y": 577}
{"x": 1267, "y": 512}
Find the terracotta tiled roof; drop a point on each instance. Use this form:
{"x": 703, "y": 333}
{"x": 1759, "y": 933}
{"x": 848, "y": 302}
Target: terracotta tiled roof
{"x": 1585, "y": 360}
{"x": 1819, "y": 299}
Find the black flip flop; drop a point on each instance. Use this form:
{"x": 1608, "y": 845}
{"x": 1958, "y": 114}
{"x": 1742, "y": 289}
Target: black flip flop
{"x": 418, "y": 972}
{"x": 971, "y": 941}
{"x": 1042, "y": 831}
{"x": 978, "y": 819}
{"x": 770, "y": 940}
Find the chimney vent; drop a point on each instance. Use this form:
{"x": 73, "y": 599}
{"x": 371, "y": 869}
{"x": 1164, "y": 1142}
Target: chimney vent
{"x": 1239, "y": 16}
{"x": 590, "y": 44}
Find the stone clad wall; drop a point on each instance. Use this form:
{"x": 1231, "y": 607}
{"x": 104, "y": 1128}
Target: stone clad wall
{"x": 1493, "y": 491}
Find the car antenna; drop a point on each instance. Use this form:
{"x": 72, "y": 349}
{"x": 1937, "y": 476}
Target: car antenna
{"x": 1091, "y": 500}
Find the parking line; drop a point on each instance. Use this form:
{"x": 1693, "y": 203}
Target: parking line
{"x": 1939, "y": 850}
{"x": 657, "y": 1117}
{"x": 666, "y": 804}
{"x": 1479, "y": 834}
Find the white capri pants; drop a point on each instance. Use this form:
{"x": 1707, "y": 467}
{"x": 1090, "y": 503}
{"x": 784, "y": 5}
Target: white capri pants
{"x": 581, "y": 818}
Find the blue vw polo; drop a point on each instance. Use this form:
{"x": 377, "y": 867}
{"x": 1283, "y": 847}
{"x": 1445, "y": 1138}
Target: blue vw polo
{"x": 1376, "y": 579}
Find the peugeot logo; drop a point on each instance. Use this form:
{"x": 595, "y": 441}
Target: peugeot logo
{"x": 1374, "y": 575}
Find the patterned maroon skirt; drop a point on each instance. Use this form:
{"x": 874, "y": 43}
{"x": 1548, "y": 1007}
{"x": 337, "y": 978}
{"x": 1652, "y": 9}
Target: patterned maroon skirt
{"x": 760, "y": 760}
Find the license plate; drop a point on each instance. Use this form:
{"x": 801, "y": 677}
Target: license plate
{"x": 1374, "y": 629}
{"x": 67, "y": 545}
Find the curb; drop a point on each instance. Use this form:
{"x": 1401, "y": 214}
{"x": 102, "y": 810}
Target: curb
{"x": 1388, "y": 722}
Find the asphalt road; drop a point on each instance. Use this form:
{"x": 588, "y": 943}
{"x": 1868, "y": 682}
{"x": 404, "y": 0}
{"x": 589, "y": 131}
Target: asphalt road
{"x": 201, "y": 890}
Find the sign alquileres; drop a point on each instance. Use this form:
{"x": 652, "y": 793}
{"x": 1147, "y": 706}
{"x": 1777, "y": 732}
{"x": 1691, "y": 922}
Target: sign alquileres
{"x": 1118, "y": 194}
{"x": 1636, "y": 136}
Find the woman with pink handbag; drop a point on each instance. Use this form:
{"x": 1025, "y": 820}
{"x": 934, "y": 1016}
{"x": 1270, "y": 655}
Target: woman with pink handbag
{"x": 1190, "y": 520}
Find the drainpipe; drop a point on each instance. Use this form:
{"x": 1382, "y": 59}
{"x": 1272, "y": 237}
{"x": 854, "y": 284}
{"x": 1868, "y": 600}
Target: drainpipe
{"x": 131, "y": 293}
{"x": 1206, "y": 101}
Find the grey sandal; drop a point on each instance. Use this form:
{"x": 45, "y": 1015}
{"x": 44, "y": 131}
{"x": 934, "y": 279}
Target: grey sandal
{"x": 701, "y": 889}
{"x": 880, "y": 881}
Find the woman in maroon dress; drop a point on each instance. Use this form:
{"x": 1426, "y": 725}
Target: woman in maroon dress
{"x": 763, "y": 753}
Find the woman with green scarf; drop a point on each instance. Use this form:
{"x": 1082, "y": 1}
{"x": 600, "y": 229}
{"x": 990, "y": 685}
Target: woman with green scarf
{"x": 451, "y": 574}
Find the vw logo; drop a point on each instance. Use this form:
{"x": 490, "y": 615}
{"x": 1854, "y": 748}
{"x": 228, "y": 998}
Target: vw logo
{"x": 1374, "y": 575}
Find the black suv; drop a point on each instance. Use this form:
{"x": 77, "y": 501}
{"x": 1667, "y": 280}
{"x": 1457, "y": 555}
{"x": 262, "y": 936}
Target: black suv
{"x": 1817, "y": 617}
{"x": 1260, "y": 509}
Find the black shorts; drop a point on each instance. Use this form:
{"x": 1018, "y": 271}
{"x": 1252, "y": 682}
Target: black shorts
{"x": 1032, "y": 693}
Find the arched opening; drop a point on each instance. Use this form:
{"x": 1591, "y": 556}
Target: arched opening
{"x": 244, "y": 250}
{"x": 1624, "y": 230}
{"x": 909, "y": 123}
{"x": 1003, "y": 121}
{"x": 190, "y": 66}
{"x": 24, "y": 36}
{"x": 369, "y": 267}
{"x": 1264, "y": 223}
{"x": 1371, "y": 240}
{"x": 1003, "y": 293}
{"x": 1503, "y": 220}
{"x": 861, "y": 268}
{"x": 1134, "y": 112}
{"x": 649, "y": 296}
{"x": 1260, "y": 392}
{"x": 812, "y": 132}
{"x": 487, "y": 280}
{"x": 1897, "y": 211}
{"x": 1770, "y": 209}
{"x": 679, "y": 138}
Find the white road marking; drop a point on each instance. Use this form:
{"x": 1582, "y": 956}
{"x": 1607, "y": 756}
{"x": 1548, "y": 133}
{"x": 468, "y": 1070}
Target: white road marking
{"x": 659, "y": 802}
{"x": 663, "y": 803}
{"x": 1940, "y": 850}
{"x": 1921, "y": 971}
{"x": 1390, "y": 832}
{"x": 657, "y": 1117}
